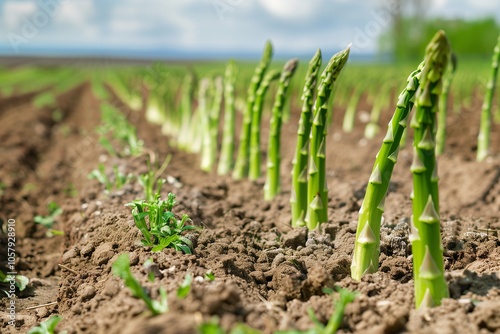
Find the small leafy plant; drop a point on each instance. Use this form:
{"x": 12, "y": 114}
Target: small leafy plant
{"x": 185, "y": 287}
{"x": 163, "y": 228}
{"x": 151, "y": 181}
{"x": 100, "y": 175}
{"x": 49, "y": 220}
{"x": 209, "y": 275}
{"x": 121, "y": 268}
{"x": 115, "y": 126}
{"x": 47, "y": 327}
{"x": 20, "y": 281}
{"x": 46, "y": 99}
{"x": 344, "y": 298}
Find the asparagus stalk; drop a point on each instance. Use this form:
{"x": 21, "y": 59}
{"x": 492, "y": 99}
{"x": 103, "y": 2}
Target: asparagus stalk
{"x": 372, "y": 128}
{"x": 241, "y": 166}
{"x": 298, "y": 199}
{"x": 428, "y": 264}
{"x": 202, "y": 116}
{"x": 272, "y": 185}
{"x": 227, "y": 150}
{"x": 209, "y": 153}
{"x": 255, "y": 172}
{"x": 366, "y": 248}
{"x": 186, "y": 110}
{"x": 443, "y": 105}
{"x": 317, "y": 192}
{"x": 155, "y": 112}
{"x": 350, "y": 112}
{"x": 483, "y": 139}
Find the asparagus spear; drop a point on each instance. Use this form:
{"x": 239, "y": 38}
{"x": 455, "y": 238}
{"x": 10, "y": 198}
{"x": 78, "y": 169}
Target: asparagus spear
{"x": 227, "y": 150}
{"x": 202, "y": 116}
{"x": 350, "y": 112}
{"x": 255, "y": 172}
{"x": 443, "y": 105}
{"x": 317, "y": 192}
{"x": 428, "y": 266}
{"x": 272, "y": 185}
{"x": 184, "y": 138}
{"x": 298, "y": 199}
{"x": 372, "y": 128}
{"x": 483, "y": 139}
{"x": 241, "y": 166}
{"x": 366, "y": 249}
{"x": 209, "y": 153}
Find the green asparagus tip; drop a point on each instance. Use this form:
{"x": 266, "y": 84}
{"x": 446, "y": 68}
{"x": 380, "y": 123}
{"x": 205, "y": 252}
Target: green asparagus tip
{"x": 291, "y": 65}
{"x": 316, "y": 59}
{"x": 268, "y": 50}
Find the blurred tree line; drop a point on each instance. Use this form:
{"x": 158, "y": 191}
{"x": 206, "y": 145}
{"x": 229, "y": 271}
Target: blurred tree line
{"x": 412, "y": 30}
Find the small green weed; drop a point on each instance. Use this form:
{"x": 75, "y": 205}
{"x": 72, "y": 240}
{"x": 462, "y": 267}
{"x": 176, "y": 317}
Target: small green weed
{"x": 164, "y": 229}
{"x": 121, "y": 268}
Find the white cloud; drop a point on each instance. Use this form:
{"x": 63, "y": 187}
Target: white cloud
{"x": 292, "y": 9}
{"x": 13, "y": 12}
{"x": 75, "y": 12}
{"x": 197, "y": 27}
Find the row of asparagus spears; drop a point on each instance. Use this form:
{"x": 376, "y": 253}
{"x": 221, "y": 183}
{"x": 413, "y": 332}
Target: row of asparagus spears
{"x": 426, "y": 91}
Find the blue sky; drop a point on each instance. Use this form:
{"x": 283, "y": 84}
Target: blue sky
{"x": 204, "y": 28}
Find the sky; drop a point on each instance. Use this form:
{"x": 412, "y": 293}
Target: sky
{"x": 205, "y": 28}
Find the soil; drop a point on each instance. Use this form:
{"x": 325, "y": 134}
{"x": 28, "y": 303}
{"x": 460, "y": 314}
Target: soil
{"x": 266, "y": 274}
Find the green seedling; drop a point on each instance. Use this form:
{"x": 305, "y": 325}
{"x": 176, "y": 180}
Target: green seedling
{"x": 70, "y": 190}
{"x": 185, "y": 287}
{"x": 49, "y": 220}
{"x": 163, "y": 229}
{"x": 100, "y": 175}
{"x": 20, "y": 281}
{"x": 344, "y": 298}
{"x": 46, "y": 99}
{"x": 47, "y": 327}
{"x": 213, "y": 327}
{"x": 57, "y": 115}
{"x": 151, "y": 181}
{"x": 209, "y": 276}
{"x": 98, "y": 89}
{"x": 121, "y": 268}
{"x": 115, "y": 127}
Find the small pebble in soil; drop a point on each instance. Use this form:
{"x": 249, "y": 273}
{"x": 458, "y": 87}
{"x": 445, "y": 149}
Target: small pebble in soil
{"x": 67, "y": 256}
{"x": 103, "y": 254}
{"x": 86, "y": 292}
{"x": 37, "y": 282}
{"x": 87, "y": 250}
{"x": 278, "y": 259}
{"x": 22, "y": 319}
{"x": 42, "y": 312}
{"x": 295, "y": 238}
{"x": 258, "y": 277}
{"x": 153, "y": 268}
{"x": 111, "y": 288}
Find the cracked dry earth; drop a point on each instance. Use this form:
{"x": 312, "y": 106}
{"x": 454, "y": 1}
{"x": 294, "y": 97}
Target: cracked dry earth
{"x": 266, "y": 274}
